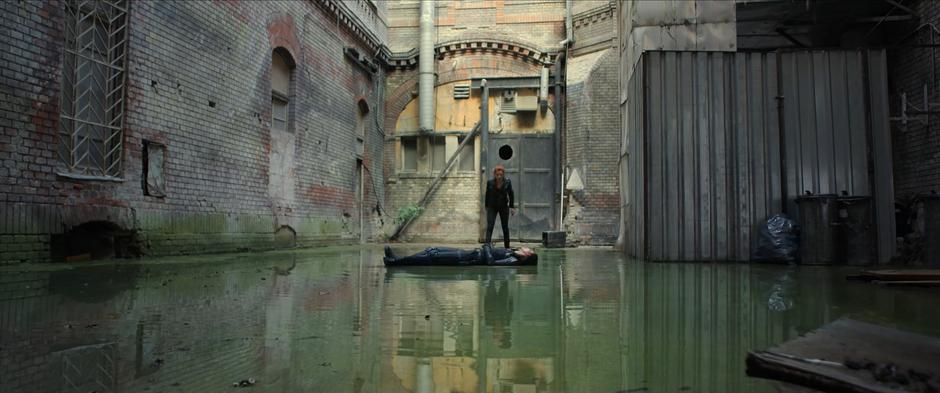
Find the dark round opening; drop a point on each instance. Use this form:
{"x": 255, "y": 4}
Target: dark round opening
{"x": 505, "y": 152}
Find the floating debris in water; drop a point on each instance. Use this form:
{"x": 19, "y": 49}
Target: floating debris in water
{"x": 244, "y": 383}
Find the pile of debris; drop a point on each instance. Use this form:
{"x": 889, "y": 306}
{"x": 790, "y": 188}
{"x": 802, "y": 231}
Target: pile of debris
{"x": 853, "y": 356}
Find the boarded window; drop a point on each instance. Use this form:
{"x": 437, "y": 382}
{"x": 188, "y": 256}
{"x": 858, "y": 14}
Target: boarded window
{"x": 438, "y": 153}
{"x": 280, "y": 90}
{"x": 92, "y": 99}
{"x": 278, "y": 113}
{"x": 409, "y": 153}
{"x": 466, "y": 156}
{"x": 154, "y": 180}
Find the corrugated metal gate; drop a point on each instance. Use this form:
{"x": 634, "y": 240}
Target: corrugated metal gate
{"x": 530, "y": 168}
{"x": 707, "y": 161}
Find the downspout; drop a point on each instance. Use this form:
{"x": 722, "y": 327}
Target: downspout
{"x": 484, "y": 150}
{"x": 543, "y": 88}
{"x": 426, "y": 68}
{"x": 484, "y": 127}
{"x": 559, "y": 80}
{"x": 569, "y": 25}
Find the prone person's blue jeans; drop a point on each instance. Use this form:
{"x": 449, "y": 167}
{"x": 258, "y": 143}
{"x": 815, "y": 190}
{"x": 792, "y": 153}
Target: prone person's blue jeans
{"x": 441, "y": 256}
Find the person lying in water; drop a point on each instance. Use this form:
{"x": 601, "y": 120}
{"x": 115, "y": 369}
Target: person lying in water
{"x": 447, "y": 256}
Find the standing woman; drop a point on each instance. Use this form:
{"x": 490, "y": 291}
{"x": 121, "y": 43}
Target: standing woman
{"x": 499, "y": 200}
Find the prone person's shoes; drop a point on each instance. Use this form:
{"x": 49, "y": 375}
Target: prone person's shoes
{"x": 389, "y": 256}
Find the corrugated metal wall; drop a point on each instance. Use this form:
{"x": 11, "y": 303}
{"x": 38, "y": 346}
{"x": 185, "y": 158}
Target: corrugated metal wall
{"x": 706, "y": 159}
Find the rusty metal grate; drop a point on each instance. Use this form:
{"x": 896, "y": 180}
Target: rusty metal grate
{"x": 93, "y": 84}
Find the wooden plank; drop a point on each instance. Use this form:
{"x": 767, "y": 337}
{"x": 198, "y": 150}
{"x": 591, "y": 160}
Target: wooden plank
{"x": 899, "y": 275}
{"x": 925, "y": 283}
{"x": 809, "y": 373}
{"x": 853, "y": 356}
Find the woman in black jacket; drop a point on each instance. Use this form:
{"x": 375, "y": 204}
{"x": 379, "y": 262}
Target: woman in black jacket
{"x": 499, "y": 200}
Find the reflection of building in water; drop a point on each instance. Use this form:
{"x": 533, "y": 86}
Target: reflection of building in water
{"x": 690, "y": 327}
{"x": 279, "y": 318}
{"x": 473, "y": 348}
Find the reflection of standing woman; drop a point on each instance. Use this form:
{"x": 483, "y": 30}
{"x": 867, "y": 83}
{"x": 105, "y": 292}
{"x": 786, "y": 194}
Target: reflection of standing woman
{"x": 499, "y": 200}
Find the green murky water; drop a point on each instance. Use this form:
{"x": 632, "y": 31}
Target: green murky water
{"x": 335, "y": 320}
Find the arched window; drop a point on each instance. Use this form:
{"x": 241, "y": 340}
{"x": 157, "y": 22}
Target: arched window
{"x": 281, "y": 66}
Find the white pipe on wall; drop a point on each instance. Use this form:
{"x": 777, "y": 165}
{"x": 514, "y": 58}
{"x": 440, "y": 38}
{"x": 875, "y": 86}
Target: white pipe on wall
{"x": 426, "y": 68}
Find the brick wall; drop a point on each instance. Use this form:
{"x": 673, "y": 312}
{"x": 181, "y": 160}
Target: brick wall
{"x": 197, "y": 82}
{"x": 916, "y": 147}
{"x": 594, "y": 25}
{"x": 592, "y": 147}
{"x": 453, "y": 215}
{"x": 541, "y": 22}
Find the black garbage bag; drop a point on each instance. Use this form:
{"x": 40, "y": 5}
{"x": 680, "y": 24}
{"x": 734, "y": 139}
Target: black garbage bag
{"x": 778, "y": 241}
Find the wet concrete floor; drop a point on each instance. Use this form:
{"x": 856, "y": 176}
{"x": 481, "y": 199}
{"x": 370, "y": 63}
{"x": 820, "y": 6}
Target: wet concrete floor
{"x": 336, "y": 320}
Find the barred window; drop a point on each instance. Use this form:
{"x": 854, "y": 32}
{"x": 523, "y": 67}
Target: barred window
{"x": 93, "y": 84}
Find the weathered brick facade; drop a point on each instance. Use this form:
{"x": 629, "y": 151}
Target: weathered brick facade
{"x": 474, "y": 39}
{"x": 199, "y": 87}
{"x": 198, "y": 82}
{"x": 592, "y": 123}
{"x": 916, "y": 145}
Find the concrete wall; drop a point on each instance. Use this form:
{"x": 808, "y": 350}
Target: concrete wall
{"x": 916, "y": 146}
{"x": 198, "y": 83}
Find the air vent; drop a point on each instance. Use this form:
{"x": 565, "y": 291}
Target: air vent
{"x": 509, "y": 102}
{"x": 461, "y": 92}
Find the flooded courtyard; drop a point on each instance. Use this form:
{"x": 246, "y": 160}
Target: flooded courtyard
{"x": 336, "y": 320}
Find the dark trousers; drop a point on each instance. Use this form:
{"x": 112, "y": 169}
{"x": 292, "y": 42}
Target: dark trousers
{"x": 491, "y": 213}
{"x": 440, "y": 256}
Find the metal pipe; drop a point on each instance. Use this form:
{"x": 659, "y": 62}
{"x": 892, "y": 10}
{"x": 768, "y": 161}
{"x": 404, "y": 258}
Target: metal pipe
{"x": 484, "y": 127}
{"x": 426, "y": 68}
{"x": 569, "y": 29}
{"x": 484, "y": 143}
{"x": 543, "y": 87}
{"x": 558, "y": 129}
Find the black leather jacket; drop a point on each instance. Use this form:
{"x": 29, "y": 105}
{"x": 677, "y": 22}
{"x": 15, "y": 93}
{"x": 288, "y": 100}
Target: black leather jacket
{"x": 498, "y": 198}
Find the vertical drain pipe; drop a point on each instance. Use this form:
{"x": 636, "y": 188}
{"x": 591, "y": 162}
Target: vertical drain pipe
{"x": 543, "y": 88}
{"x": 484, "y": 150}
{"x": 426, "y": 68}
{"x": 484, "y": 127}
{"x": 559, "y": 225}
{"x": 569, "y": 40}
{"x": 569, "y": 25}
